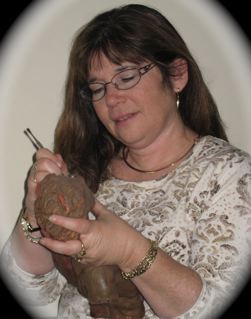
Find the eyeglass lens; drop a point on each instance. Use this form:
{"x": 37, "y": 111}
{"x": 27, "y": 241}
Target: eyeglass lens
{"x": 123, "y": 80}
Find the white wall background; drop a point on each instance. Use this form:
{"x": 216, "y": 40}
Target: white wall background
{"x": 33, "y": 62}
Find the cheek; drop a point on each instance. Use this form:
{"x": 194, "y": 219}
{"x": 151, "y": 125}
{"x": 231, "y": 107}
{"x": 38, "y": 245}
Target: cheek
{"x": 101, "y": 113}
{"x": 103, "y": 116}
{"x": 158, "y": 101}
{"x": 155, "y": 91}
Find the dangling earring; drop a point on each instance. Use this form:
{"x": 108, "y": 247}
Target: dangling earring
{"x": 178, "y": 98}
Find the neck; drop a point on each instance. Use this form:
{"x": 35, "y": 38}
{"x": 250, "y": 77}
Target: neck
{"x": 153, "y": 160}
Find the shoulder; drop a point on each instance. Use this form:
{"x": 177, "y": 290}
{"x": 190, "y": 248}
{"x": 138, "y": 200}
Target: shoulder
{"x": 220, "y": 169}
{"x": 218, "y": 152}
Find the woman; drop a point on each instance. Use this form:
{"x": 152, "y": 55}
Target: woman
{"x": 140, "y": 125}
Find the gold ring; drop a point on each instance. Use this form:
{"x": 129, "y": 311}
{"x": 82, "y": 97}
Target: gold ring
{"x": 78, "y": 257}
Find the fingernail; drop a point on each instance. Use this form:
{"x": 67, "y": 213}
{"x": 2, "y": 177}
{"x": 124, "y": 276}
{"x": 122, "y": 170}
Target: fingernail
{"x": 59, "y": 160}
{"x": 52, "y": 218}
{"x": 59, "y": 164}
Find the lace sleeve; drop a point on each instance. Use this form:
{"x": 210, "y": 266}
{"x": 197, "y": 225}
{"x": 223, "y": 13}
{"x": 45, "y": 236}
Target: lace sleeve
{"x": 221, "y": 251}
{"x": 39, "y": 289}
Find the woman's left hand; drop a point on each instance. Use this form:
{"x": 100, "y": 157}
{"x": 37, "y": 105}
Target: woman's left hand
{"x": 108, "y": 240}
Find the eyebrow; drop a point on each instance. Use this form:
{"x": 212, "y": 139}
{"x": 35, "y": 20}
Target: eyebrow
{"x": 116, "y": 70}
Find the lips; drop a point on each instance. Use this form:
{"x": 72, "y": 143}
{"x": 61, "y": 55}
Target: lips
{"x": 123, "y": 118}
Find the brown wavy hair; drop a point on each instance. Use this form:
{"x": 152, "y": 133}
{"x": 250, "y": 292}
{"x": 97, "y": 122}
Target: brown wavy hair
{"x": 132, "y": 33}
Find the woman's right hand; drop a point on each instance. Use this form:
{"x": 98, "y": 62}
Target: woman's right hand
{"x": 46, "y": 163}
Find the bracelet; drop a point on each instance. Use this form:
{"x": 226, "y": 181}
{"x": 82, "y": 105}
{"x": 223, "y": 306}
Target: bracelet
{"x": 145, "y": 264}
{"x": 28, "y": 229}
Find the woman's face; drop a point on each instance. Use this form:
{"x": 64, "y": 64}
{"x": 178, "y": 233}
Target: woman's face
{"x": 140, "y": 115}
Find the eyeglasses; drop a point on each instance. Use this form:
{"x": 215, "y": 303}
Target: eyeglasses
{"x": 123, "y": 80}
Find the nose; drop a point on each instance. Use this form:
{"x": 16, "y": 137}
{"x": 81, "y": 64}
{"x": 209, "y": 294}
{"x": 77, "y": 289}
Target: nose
{"x": 113, "y": 95}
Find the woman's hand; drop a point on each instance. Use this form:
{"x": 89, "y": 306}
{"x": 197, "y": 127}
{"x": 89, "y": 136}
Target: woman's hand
{"x": 46, "y": 163}
{"x": 108, "y": 240}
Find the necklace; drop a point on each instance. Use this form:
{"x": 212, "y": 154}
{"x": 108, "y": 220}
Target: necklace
{"x": 126, "y": 151}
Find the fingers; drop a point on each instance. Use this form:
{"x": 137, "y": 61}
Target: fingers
{"x": 69, "y": 248}
{"x": 73, "y": 248}
{"x": 99, "y": 238}
{"x": 62, "y": 165}
{"x": 79, "y": 225}
{"x": 46, "y": 163}
{"x": 98, "y": 209}
{"x": 47, "y": 154}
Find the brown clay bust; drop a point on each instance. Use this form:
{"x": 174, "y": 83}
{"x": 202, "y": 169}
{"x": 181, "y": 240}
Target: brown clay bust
{"x": 109, "y": 295}
{"x": 62, "y": 195}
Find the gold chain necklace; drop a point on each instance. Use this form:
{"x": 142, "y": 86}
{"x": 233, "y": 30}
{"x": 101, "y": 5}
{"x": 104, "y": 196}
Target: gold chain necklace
{"x": 126, "y": 151}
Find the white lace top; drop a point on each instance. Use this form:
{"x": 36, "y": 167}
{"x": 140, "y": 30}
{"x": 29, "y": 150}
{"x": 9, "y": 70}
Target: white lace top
{"x": 200, "y": 214}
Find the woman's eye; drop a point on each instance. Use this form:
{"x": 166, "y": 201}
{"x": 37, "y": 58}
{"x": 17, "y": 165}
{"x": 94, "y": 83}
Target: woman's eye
{"x": 97, "y": 90}
{"x": 127, "y": 78}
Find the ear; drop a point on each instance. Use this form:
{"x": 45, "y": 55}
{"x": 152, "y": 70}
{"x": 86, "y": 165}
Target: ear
{"x": 179, "y": 74}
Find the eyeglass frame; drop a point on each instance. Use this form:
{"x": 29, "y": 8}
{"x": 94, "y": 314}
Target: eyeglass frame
{"x": 141, "y": 71}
